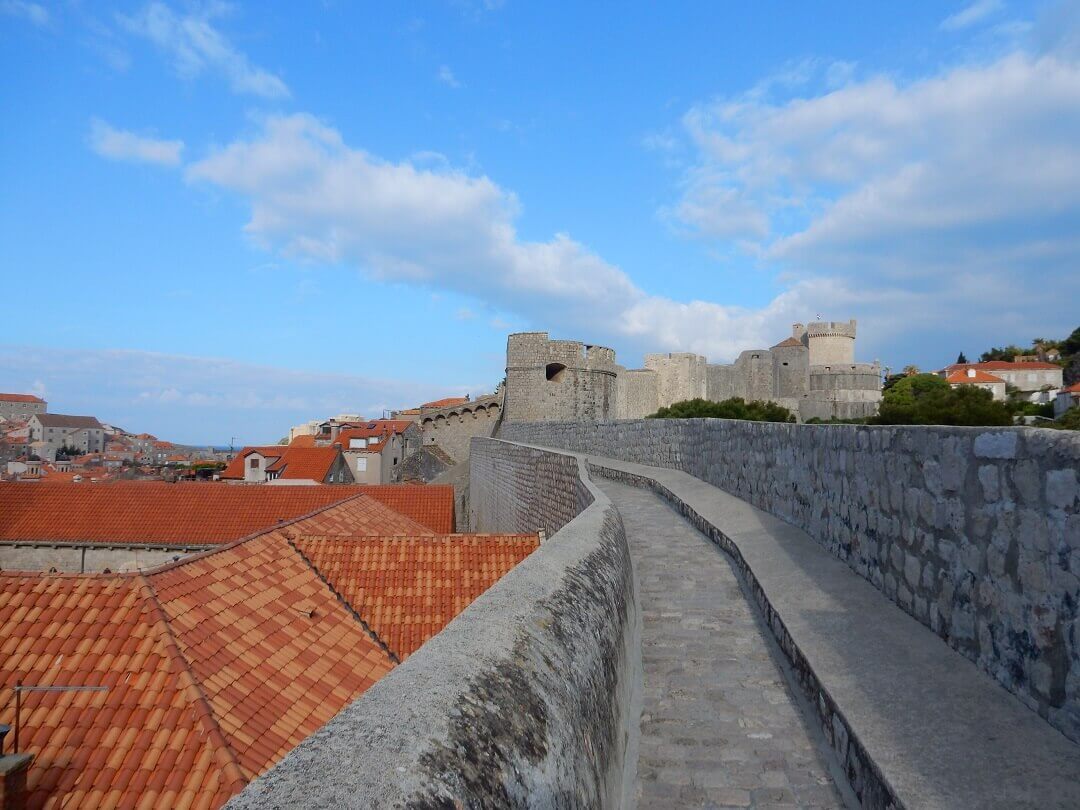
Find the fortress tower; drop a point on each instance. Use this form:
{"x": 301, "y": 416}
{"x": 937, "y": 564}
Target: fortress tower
{"x": 830, "y": 342}
{"x": 558, "y": 380}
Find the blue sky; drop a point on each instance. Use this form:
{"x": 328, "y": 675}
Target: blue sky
{"x": 222, "y": 219}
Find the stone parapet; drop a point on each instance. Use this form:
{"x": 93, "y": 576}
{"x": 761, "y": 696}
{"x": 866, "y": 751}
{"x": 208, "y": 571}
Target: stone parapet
{"x": 526, "y": 698}
{"x": 973, "y": 531}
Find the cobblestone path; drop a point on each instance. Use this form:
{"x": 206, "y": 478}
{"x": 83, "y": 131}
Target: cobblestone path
{"x": 719, "y": 725}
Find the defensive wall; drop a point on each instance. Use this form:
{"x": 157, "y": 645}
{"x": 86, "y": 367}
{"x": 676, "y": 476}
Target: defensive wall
{"x": 529, "y": 697}
{"x": 452, "y": 428}
{"x": 973, "y": 531}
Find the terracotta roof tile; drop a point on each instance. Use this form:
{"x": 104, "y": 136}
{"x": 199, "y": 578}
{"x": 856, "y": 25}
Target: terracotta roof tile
{"x": 958, "y": 377}
{"x": 177, "y": 514}
{"x": 409, "y": 588}
{"x": 21, "y": 398}
{"x": 90, "y": 745}
{"x": 446, "y": 402}
{"x": 263, "y": 663}
{"x": 429, "y": 504}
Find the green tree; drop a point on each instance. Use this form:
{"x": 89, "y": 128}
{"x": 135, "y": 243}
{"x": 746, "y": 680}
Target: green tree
{"x": 1071, "y": 344}
{"x": 1070, "y": 420}
{"x": 736, "y": 408}
{"x": 961, "y": 358}
{"x": 925, "y": 399}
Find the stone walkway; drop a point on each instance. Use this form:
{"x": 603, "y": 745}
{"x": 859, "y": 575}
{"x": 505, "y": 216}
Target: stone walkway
{"x": 719, "y": 726}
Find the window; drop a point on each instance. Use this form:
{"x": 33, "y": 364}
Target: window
{"x": 555, "y": 372}
{"x": 361, "y": 465}
{"x": 355, "y": 443}
{"x": 253, "y": 463}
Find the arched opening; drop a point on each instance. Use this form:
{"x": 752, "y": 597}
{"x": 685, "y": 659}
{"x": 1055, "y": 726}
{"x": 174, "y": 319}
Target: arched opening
{"x": 555, "y": 372}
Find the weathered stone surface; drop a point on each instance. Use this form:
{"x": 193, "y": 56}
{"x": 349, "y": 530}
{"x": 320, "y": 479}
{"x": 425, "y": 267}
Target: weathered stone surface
{"x": 1007, "y": 504}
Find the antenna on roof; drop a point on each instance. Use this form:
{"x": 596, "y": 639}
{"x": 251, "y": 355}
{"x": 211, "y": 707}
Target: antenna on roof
{"x": 19, "y": 689}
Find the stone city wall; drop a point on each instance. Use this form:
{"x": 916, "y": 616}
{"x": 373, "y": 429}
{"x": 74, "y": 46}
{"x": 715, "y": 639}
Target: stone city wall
{"x": 973, "y": 531}
{"x": 528, "y": 698}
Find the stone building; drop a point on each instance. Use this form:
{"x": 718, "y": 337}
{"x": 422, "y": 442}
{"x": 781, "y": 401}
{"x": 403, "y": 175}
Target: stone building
{"x": 20, "y": 406}
{"x": 53, "y": 431}
{"x": 813, "y": 373}
{"x": 558, "y": 380}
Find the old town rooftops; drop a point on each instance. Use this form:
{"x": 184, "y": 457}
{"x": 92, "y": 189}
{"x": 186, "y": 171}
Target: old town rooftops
{"x": 216, "y": 666}
{"x": 178, "y": 514}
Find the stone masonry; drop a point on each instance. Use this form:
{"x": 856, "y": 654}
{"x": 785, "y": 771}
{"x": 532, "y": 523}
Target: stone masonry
{"x": 973, "y": 531}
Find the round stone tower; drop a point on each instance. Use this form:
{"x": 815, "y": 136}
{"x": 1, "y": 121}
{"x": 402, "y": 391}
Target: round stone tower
{"x": 558, "y": 380}
{"x": 831, "y": 342}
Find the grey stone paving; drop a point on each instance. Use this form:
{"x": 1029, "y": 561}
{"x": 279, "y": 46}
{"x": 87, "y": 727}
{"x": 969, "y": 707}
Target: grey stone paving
{"x": 719, "y": 726}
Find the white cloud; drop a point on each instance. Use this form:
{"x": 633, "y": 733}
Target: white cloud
{"x": 314, "y": 197}
{"x": 464, "y": 314}
{"x": 970, "y": 15}
{"x": 32, "y": 12}
{"x": 446, "y": 76}
{"x": 962, "y": 189}
{"x": 118, "y": 144}
{"x": 196, "y": 46}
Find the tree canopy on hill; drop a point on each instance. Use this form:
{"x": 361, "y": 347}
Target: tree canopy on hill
{"x": 736, "y": 408}
{"x": 926, "y": 399}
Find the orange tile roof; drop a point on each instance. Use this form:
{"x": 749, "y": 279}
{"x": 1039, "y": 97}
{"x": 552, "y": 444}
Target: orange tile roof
{"x": 21, "y": 398}
{"x": 176, "y": 514}
{"x": 446, "y": 402}
{"x": 429, "y": 504}
{"x": 1073, "y": 389}
{"x": 958, "y": 377}
{"x": 409, "y": 588}
{"x": 364, "y": 515}
{"x": 216, "y": 666}
{"x": 149, "y": 739}
{"x": 788, "y": 343}
{"x": 275, "y": 653}
{"x": 304, "y": 440}
{"x": 295, "y": 462}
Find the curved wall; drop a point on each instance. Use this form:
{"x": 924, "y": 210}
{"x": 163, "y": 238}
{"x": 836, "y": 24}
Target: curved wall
{"x": 524, "y": 700}
{"x": 973, "y": 531}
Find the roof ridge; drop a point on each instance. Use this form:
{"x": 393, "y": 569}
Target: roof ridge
{"x": 203, "y": 710}
{"x": 159, "y": 569}
{"x": 393, "y": 656}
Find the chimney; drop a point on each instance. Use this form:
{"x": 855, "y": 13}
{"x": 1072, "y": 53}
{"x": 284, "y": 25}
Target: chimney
{"x": 13, "y": 768}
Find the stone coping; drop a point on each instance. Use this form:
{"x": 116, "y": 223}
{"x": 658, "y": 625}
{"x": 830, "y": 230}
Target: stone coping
{"x": 914, "y": 723}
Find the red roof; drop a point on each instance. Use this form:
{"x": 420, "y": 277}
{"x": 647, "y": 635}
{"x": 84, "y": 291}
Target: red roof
{"x": 958, "y": 377}
{"x": 787, "y": 343}
{"x": 1073, "y": 389}
{"x": 445, "y": 403}
{"x": 293, "y": 462}
{"x": 1002, "y": 365}
{"x": 174, "y": 514}
{"x": 409, "y": 588}
{"x": 275, "y": 653}
{"x": 429, "y": 504}
{"x": 217, "y": 666}
{"x": 21, "y": 398}
{"x": 304, "y": 440}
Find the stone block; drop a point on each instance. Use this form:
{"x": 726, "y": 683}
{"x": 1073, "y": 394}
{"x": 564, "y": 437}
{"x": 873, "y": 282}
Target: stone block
{"x": 997, "y": 444}
{"x": 1062, "y": 489}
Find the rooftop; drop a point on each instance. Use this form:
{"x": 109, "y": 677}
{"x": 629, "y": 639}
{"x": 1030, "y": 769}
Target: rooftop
{"x": 59, "y": 420}
{"x": 979, "y": 376}
{"x": 408, "y": 589}
{"x": 220, "y": 664}
{"x": 21, "y": 398}
{"x": 174, "y": 514}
